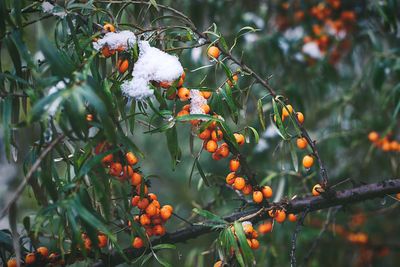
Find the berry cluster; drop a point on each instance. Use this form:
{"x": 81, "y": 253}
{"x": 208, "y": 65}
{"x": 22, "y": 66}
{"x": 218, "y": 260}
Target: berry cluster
{"x": 40, "y": 257}
{"x": 385, "y": 143}
{"x": 330, "y": 31}
{"x": 151, "y": 216}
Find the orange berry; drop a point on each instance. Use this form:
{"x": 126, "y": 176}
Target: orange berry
{"x": 136, "y": 179}
{"x": 165, "y": 213}
{"x": 127, "y": 171}
{"x": 159, "y": 229}
{"x": 211, "y": 146}
{"x": 122, "y": 65}
{"x": 248, "y": 242}
{"x": 239, "y": 183}
{"x": 131, "y": 159}
{"x": 186, "y": 107}
{"x": 206, "y": 94}
{"x": 213, "y": 52}
{"x": 151, "y": 210}
{"x": 156, "y": 203}
{"x": 143, "y": 203}
{"x": 292, "y": 217}
{"x": 223, "y": 151}
{"x": 183, "y": 94}
{"x": 398, "y": 196}
{"x": 102, "y": 240}
{"x": 152, "y": 196}
{"x": 266, "y": 191}
{"x": 234, "y": 165}
{"x": 169, "y": 207}
{"x": 373, "y": 136}
{"x": 12, "y": 263}
{"x": 317, "y": 189}
{"x": 301, "y": 142}
{"x": 180, "y": 82}
{"x": 115, "y": 169}
{"x": 89, "y": 117}
{"x": 30, "y": 258}
{"x": 287, "y": 110}
{"x": 144, "y": 219}
{"x": 43, "y": 251}
{"x": 308, "y": 161}
{"x": 257, "y": 196}
{"x": 217, "y": 135}
{"x": 165, "y": 84}
{"x": 206, "y": 108}
{"x": 182, "y": 113}
{"x": 107, "y": 159}
{"x": 107, "y": 52}
{"x": 254, "y": 234}
{"x": 145, "y": 190}
{"x": 255, "y": 244}
{"x": 235, "y": 78}
{"x": 272, "y": 213}
{"x": 239, "y": 138}
{"x": 205, "y": 135}
{"x": 265, "y": 227}
{"x": 135, "y": 200}
{"x": 109, "y": 27}
{"x": 247, "y": 189}
{"x": 230, "y": 178}
{"x": 300, "y": 117}
{"x": 216, "y": 156}
{"x": 218, "y": 264}
{"x": 280, "y": 216}
{"x": 248, "y": 228}
{"x": 137, "y": 242}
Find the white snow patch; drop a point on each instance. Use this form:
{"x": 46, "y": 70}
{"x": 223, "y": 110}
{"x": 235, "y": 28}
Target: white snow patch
{"x": 152, "y": 65}
{"x": 197, "y": 101}
{"x": 53, "y": 107}
{"x": 114, "y": 40}
{"x": 47, "y": 7}
{"x": 312, "y": 50}
{"x": 294, "y": 34}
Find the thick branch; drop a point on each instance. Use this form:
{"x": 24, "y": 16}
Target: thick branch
{"x": 340, "y": 198}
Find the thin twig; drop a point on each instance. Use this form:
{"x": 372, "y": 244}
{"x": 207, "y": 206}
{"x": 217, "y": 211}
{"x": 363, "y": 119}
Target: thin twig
{"x": 29, "y": 175}
{"x": 294, "y": 238}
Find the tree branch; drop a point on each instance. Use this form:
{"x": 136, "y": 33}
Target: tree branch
{"x": 309, "y": 204}
{"x": 29, "y": 175}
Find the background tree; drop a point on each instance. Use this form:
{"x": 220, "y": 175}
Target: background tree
{"x": 198, "y": 132}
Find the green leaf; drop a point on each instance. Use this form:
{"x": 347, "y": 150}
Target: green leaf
{"x": 173, "y": 146}
{"x": 61, "y": 64}
{"x": 209, "y": 216}
{"x": 6, "y": 122}
{"x": 295, "y": 160}
{"x": 247, "y": 253}
{"x": 201, "y": 172}
{"x": 164, "y": 246}
{"x": 260, "y": 112}
{"x": 281, "y": 129}
{"x": 254, "y": 132}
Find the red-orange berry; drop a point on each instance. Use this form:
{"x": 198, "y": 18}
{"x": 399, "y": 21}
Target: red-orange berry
{"x": 234, "y": 165}
{"x": 137, "y": 243}
{"x": 266, "y": 191}
{"x": 239, "y": 183}
{"x": 131, "y": 159}
{"x": 257, "y": 196}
